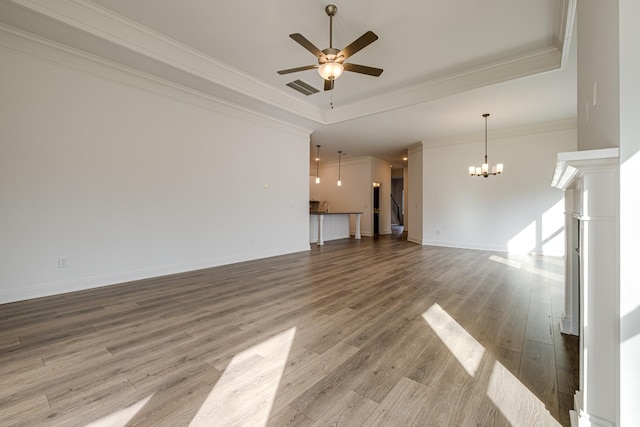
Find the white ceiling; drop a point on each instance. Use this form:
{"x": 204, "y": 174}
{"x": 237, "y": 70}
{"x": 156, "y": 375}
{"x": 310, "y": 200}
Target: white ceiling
{"x": 445, "y": 62}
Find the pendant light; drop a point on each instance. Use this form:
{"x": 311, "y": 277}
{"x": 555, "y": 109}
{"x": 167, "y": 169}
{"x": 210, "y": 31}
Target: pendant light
{"x": 484, "y": 169}
{"x": 317, "y": 164}
{"x": 339, "y": 181}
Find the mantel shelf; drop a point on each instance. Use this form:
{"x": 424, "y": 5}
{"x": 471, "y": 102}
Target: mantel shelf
{"x": 572, "y": 164}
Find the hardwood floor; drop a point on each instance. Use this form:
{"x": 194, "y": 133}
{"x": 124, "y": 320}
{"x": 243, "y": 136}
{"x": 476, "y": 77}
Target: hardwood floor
{"x": 356, "y": 333}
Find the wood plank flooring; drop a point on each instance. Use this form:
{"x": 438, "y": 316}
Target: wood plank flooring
{"x": 377, "y": 332}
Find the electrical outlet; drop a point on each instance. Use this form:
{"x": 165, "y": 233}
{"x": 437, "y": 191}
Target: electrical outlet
{"x": 63, "y": 262}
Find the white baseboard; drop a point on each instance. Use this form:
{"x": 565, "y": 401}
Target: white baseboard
{"x": 414, "y": 239}
{"x": 56, "y": 288}
{"x": 566, "y": 326}
{"x": 492, "y": 248}
{"x": 580, "y": 418}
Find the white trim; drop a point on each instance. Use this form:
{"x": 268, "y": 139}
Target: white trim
{"x": 24, "y": 43}
{"x": 580, "y": 418}
{"x": 56, "y": 288}
{"x": 506, "y": 133}
{"x": 572, "y": 165}
{"x": 596, "y": 218}
{"x": 491, "y": 248}
{"x": 414, "y": 239}
{"x": 567, "y": 325}
{"x": 346, "y": 160}
{"x": 565, "y": 31}
{"x": 588, "y": 178}
{"x": 107, "y": 26}
{"x": 536, "y": 62}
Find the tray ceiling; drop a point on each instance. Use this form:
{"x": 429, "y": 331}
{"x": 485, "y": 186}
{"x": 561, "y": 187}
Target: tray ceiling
{"x": 445, "y": 63}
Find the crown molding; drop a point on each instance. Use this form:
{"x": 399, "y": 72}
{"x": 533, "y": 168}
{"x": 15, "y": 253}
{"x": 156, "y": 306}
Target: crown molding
{"x": 349, "y": 161}
{"x": 415, "y": 148}
{"x": 539, "y": 61}
{"x": 513, "y": 132}
{"x": 110, "y": 27}
{"x": 23, "y": 43}
{"x": 565, "y": 28}
{"x": 106, "y": 25}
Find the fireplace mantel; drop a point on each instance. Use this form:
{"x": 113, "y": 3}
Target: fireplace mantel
{"x": 588, "y": 179}
{"x": 571, "y": 166}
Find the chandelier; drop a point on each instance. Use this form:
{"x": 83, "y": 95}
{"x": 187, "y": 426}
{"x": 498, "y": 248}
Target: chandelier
{"x": 484, "y": 169}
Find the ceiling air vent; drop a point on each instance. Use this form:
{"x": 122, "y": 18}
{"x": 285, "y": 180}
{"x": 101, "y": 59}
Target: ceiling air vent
{"x": 302, "y": 87}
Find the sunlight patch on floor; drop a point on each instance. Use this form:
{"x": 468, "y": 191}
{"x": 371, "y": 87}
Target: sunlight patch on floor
{"x": 463, "y": 346}
{"x": 512, "y": 398}
{"x": 546, "y": 274}
{"x": 556, "y": 277}
{"x": 518, "y": 405}
{"x": 245, "y": 392}
{"x": 122, "y": 417}
{"x": 506, "y": 261}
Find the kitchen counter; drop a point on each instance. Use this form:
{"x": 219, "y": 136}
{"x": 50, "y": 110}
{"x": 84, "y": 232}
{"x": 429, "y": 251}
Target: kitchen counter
{"x": 334, "y": 213}
{"x": 331, "y": 226}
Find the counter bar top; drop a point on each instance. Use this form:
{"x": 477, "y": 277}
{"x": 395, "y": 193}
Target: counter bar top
{"x": 334, "y": 213}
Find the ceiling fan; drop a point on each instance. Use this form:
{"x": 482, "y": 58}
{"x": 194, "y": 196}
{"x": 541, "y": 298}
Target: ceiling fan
{"x": 331, "y": 60}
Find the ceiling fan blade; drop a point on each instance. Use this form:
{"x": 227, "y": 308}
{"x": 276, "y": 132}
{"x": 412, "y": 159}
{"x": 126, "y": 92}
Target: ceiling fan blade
{"x": 302, "y": 41}
{"x": 328, "y": 84}
{"x": 363, "y": 69}
{"x": 295, "y": 70}
{"x": 362, "y": 42}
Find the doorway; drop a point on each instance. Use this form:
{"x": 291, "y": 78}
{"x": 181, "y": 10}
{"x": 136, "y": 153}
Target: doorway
{"x": 397, "y": 200}
{"x": 376, "y": 210}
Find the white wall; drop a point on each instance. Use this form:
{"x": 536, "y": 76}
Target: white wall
{"x": 129, "y": 183}
{"x": 608, "y": 59}
{"x": 517, "y": 211}
{"x": 598, "y": 81}
{"x": 629, "y": 230}
{"x": 413, "y": 213}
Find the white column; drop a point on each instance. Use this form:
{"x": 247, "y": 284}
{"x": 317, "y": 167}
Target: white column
{"x": 320, "y": 236}
{"x": 592, "y": 176}
{"x": 597, "y": 272}
{"x": 570, "y": 323}
{"x": 358, "y": 226}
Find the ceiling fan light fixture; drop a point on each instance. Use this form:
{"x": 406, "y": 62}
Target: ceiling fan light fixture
{"x": 330, "y": 70}
{"x": 331, "y": 60}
